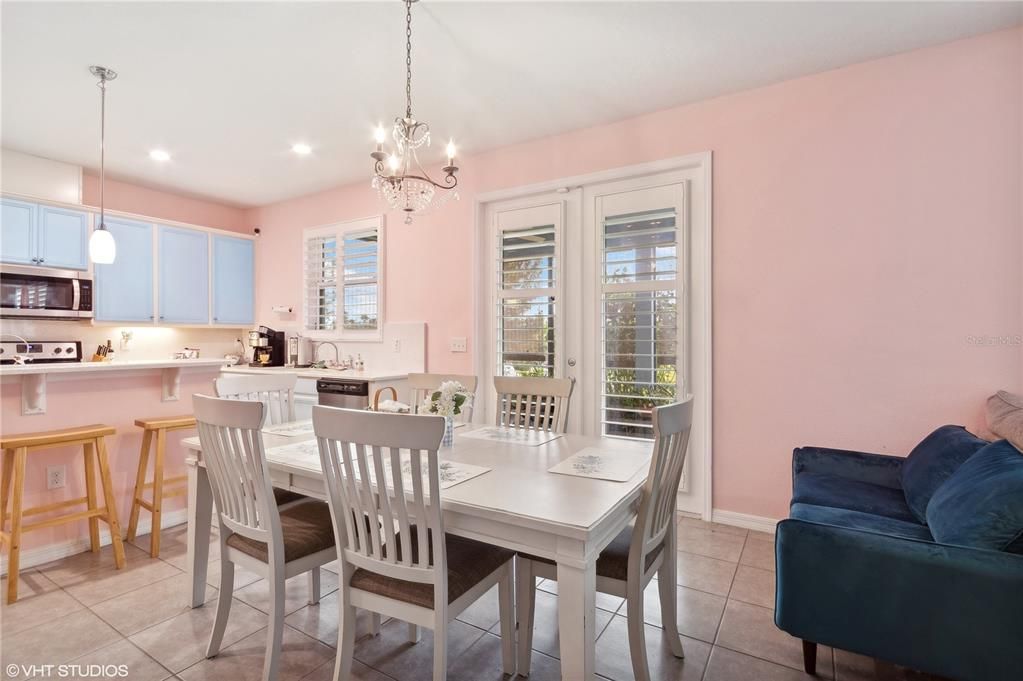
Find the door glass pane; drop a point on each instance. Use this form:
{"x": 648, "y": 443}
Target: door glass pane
{"x": 527, "y": 298}
{"x": 639, "y": 309}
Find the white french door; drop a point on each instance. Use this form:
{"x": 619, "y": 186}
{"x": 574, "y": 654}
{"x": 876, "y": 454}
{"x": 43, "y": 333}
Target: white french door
{"x": 593, "y": 282}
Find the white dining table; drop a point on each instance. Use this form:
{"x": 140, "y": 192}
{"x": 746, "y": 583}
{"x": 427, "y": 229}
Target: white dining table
{"x": 518, "y": 504}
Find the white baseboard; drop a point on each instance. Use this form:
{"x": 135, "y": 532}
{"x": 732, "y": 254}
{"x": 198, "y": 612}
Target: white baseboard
{"x": 750, "y": 522}
{"x": 41, "y": 555}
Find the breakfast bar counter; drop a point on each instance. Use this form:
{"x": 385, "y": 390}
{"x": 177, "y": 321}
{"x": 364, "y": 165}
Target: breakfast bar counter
{"x": 33, "y": 377}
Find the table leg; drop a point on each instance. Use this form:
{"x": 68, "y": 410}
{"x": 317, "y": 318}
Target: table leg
{"x": 577, "y": 615}
{"x": 200, "y": 510}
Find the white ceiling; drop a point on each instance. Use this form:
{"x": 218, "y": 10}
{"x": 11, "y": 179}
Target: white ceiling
{"x": 228, "y": 87}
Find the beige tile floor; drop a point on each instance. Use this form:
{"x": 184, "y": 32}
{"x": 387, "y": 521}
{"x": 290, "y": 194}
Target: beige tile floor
{"x": 83, "y": 611}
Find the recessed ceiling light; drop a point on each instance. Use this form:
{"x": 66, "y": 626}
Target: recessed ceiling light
{"x": 302, "y": 149}
{"x": 159, "y": 155}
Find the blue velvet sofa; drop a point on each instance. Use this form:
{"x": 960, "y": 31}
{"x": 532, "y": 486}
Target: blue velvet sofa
{"x": 917, "y": 561}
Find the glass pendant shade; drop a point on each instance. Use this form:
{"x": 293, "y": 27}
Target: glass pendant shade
{"x": 102, "y": 249}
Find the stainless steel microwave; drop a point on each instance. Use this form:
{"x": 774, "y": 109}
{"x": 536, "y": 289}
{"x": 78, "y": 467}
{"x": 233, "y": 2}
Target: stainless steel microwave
{"x": 44, "y": 293}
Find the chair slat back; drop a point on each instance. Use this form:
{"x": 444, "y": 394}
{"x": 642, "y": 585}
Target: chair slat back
{"x": 232, "y": 446}
{"x": 383, "y": 487}
{"x": 535, "y": 403}
{"x": 275, "y": 391}
{"x": 672, "y": 425}
{"x": 425, "y": 384}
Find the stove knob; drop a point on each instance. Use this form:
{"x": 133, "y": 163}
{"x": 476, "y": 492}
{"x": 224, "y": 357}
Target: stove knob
{"x": 70, "y": 350}
{"x": 57, "y": 350}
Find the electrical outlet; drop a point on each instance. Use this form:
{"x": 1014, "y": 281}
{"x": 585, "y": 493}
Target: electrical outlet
{"x": 397, "y": 345}
{"x": 56, "y": 477}
{"x": 459, "y": 344}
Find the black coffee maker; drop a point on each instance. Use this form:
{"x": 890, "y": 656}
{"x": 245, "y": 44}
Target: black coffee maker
{"x": 268, "y": 347}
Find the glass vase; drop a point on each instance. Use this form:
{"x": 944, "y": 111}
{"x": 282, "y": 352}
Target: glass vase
{"x": 449, "y": 432}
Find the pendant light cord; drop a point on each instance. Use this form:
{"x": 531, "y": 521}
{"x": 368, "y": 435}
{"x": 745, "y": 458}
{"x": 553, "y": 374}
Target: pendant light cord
{"x": 102, "y": 150}
{"x": 408, "y": 59}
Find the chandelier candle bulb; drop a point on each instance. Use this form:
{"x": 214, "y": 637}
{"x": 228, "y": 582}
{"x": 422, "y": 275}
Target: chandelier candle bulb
{"x": 451, "y": 152}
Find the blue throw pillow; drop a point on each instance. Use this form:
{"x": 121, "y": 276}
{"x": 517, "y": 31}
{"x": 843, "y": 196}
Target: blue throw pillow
{"x": 932, "y": 462}
{"x": 981, "y": 505}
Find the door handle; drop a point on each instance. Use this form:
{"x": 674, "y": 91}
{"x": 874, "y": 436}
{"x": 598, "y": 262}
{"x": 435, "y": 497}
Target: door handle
{"x": 571, "y": 361}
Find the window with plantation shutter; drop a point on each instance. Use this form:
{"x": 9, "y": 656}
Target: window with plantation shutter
{"x": 360, "y": 256}
{"x": 527, "y": 296}
{"x": 639, "y": 308}
{"x": 343, "y": 266}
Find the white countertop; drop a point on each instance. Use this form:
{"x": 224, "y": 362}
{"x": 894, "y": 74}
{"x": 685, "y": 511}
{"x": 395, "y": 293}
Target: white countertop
{"x": 116, "y": 365}
{"x": 365, "y": 375}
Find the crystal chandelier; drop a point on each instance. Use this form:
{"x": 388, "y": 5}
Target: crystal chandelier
{"x": 399, "y": 177}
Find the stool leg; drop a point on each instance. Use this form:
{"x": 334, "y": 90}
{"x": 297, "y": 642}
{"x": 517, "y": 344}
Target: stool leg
{"x": 140, "y": 484}
{"x": 15, "y": 546}
{"x": 5, "y": 485}
{"x": 161, "y": 449}
{"x": 90, "y": 493}
{"x": 111, "y": 507}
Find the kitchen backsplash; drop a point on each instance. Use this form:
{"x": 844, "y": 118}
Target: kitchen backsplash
{"x": 403, "y": 347}
{"x": 147, "y": 342}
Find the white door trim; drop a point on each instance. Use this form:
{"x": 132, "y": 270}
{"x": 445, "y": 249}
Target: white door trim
{"x": 701, "y": 298}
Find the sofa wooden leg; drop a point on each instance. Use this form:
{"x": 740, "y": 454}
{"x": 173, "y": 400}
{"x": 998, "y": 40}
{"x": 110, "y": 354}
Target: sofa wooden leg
{"x": 810, "y": 657}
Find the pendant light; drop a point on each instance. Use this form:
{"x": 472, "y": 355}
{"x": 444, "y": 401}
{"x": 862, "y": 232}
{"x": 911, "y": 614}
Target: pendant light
{"x": 102, "y": 249}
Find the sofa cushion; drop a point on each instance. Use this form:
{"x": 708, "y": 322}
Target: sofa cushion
{"x": 858, "y": 520}
{"x": 932, "y": 462}
{"x": 825, "y": 489}
{"x": 981, "y": 504}
{"x": 1005, "y": 417}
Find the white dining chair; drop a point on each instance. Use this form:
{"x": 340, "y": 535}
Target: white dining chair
{"x": 276, "y": 543}
{"x": 379, "y": 465}
{"x": 422, "y": 385}
{"x": 276, "y": 391}
{"x": 536, "y": 403}
{"x": 639, "y": 552}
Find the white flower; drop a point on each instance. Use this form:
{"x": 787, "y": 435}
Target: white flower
{"x": 448, "y": 400}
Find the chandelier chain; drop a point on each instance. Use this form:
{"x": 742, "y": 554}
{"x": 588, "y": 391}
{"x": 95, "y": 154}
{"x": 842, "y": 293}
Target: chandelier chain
{"x": 408, "y": 59}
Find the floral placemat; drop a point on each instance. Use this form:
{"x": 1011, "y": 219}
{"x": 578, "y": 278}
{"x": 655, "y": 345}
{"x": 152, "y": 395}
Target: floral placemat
{"x": 516, "y": 436}
{"x": 602, "y": 464}
{"x": 291, "y": 428}
{"x": 305, "y": 454}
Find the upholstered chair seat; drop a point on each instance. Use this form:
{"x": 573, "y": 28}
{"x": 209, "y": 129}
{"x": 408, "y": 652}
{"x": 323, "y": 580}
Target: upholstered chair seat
{"x": 306, "y": 529}
{"x": 469, "y": 563}
{"x": 613, "y": 562}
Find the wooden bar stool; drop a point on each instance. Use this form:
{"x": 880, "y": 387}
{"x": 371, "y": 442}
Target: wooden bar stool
{"x": 159, "y": 427}
{"x": 12, "y": 485}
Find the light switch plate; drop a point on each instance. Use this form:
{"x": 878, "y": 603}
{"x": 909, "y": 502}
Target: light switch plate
{"x": 459, "y": 344}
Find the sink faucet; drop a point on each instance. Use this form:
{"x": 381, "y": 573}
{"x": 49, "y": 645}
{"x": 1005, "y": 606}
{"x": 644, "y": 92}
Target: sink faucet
{"x": 337, "y": 353}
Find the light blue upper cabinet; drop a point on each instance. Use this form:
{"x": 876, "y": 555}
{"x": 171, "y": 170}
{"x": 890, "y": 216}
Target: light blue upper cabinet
{"x": 63, "y": 238}
{"x": 233, "y": 271}
{"x": 184, "y": 276}
{"x": 124, "y": 288}
{"x": 18, "y": 232}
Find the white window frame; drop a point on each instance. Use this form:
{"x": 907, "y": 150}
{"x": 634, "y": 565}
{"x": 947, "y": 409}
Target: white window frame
{"x": 338, "y": 231}
{"x": 699, "y": 168}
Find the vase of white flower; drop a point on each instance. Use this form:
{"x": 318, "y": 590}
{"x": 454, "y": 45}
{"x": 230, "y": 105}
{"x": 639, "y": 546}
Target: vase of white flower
{"x": 448, "y": 401}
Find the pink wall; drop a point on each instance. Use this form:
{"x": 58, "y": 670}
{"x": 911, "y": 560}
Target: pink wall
{"x": 867, "y": 221}
{"x": 133, "y": 198}
{"x": 73, "y": 401}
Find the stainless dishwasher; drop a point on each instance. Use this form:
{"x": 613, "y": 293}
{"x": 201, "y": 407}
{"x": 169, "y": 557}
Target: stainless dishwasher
{"x": 343, "y": 392}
